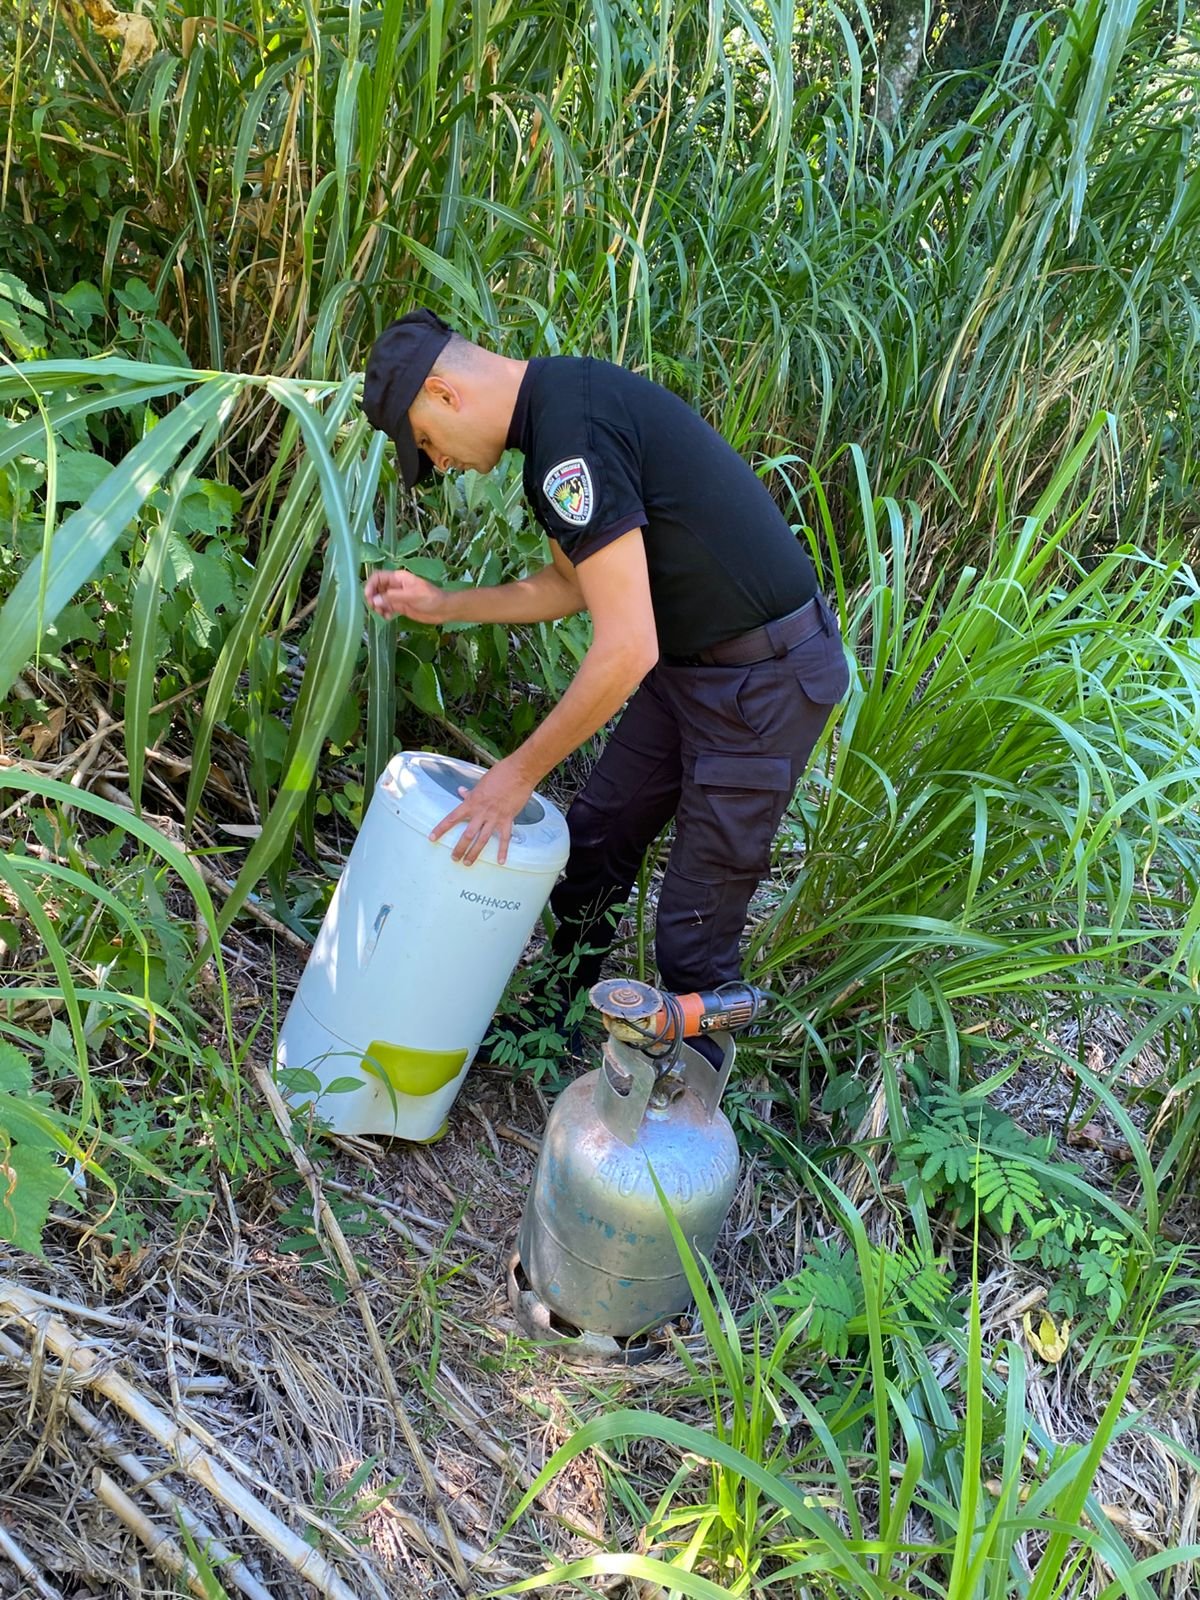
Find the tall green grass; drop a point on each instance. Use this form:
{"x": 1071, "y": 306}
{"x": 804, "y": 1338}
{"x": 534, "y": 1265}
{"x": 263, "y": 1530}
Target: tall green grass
{"x": 98, "y": 974}
{"x": 1006, "y": 805}
{"x": 871, "y": 1484}
{"x": 694, "y": 190}
{"x": 962, "y": 351}
{"x": 330, "y": 496}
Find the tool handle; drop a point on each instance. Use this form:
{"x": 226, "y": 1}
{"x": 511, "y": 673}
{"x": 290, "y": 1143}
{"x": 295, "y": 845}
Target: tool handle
{"x": 724, "y": 1010}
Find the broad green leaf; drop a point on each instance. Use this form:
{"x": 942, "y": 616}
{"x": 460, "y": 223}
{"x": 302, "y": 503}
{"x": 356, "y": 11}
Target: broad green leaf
{"x": 208, "y": 507}
{"x": 79, "y": 473}
{"x": 211, "y": 582}
{"x": 426, "y": 691}
{"x": 920, "y": 1012}
{"x": 135, "y": 295}
{"x": 16, "y": 1074}
{"x": 11, "y": 288}
{"x": 299, "y": 1080}
{"x": 84, "y": 301}
{"x": 31, "y": 1181}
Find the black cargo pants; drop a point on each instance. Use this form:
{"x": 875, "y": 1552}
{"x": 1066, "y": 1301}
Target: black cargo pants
{"x": 721, "y": 749}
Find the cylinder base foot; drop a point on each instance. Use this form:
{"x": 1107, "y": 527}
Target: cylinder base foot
{"x": 576, "y": 1345}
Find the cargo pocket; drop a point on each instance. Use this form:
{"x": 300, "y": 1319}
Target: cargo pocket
{"x": 821, "y": 668}
{"x": 739, "y": 800}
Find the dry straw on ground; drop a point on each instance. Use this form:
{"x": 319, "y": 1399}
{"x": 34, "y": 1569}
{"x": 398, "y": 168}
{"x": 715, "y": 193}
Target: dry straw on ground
{"x": 217, "y": 1379}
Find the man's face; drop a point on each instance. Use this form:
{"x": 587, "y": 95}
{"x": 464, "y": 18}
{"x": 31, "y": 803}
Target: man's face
{"x": 445, "y": 427}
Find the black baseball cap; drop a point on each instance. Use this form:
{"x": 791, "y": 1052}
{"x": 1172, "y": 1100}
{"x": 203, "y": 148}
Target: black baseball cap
{"x": 399, "y": 363}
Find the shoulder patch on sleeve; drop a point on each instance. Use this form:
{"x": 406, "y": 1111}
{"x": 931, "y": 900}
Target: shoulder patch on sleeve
{"x": 568, "y": 488}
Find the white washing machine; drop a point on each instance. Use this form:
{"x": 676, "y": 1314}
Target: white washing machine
{"x": 413, "y": 955}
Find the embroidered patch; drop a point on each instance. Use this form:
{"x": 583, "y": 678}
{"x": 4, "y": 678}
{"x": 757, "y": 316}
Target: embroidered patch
{"x": 568, "y": 487}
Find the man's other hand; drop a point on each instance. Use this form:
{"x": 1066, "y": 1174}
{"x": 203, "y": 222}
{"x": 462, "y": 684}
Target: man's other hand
{"x": 489, "y": 808}
{"x": 403, "y": 594}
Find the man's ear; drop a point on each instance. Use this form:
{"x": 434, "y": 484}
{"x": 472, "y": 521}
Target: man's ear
{"x": 441, "y": 391}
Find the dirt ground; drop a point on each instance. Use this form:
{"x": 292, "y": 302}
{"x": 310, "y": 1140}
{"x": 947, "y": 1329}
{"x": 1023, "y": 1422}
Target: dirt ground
{"x": 218, "y": 1398}
{"x": 255, "y": 1359}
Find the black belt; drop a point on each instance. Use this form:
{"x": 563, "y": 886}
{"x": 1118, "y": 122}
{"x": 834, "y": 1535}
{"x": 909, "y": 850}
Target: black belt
{"x": 772, "y": 639}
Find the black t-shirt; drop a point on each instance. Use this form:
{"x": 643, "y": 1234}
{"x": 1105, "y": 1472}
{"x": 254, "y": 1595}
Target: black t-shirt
{"x": 607, "y": 451}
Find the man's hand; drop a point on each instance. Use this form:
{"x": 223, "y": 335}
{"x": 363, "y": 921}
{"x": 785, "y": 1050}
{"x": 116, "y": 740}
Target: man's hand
{"x": 403, "y": 594}
{"x": 489, "y": 808}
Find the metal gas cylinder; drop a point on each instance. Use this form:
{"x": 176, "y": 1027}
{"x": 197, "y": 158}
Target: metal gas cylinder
{"x": 595, "y": 1257}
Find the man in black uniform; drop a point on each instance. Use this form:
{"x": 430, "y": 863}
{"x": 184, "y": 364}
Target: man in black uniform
{"x": 702, "y": 601}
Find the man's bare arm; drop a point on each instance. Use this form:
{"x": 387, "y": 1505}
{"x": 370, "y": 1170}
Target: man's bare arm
{"x": 615, "y": 586}
{"x": 616, "y": 589}
{"x": 545, "y": 596}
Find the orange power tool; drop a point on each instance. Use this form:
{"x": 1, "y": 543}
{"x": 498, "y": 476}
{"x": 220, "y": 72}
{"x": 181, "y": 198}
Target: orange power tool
{"x": 655, "y": 1018}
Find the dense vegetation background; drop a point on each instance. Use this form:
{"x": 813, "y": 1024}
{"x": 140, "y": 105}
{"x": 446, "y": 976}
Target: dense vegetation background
{"x": 935, "y": 272}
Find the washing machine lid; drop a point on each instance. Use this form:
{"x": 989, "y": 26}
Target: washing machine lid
{"x": 422, "y": 787}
